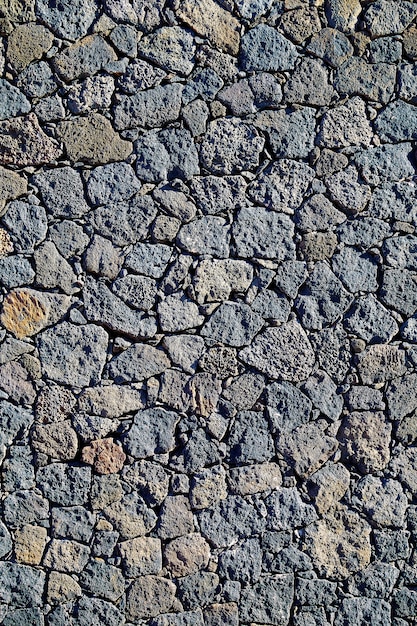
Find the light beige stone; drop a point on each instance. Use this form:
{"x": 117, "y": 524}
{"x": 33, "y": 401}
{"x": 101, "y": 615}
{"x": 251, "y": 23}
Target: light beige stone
{"x": 30, "y": 542}
{"x": 28, "y": 43}
{"x": 208, "y": 487}
{"x": 64, "y": 555}
{"x": 210, "y": 20}
{"x": 366, "y": 437}
{"x": 186, "y": 555}
{"x": 252, "y": 479}
{"x": 23, "y": 142}
{"x": 12, "y": 185}
{"x": 62, "y": 588}
{"x": 58, "y": 440}
{"x": 141, "y": 556}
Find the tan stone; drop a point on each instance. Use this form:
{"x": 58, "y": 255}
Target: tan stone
{"x": 380, "y": 363}
{"x": 318, "y": 246}
{"x": 30, "y": 542}
{"x": 93, "y": 140}
{"x": 204, "y": 391}
{"x": 12, "y": 185}
{"x": 18, "y": 10}
{"x": 328, "y": 486}
{"x": 300, "y": 23}
{"x": 66, "y": 556}
{"x": 210, "y": 20}
{"x": 23, "y": 314}
{"x": 208, "y": 487}
{"x": 149, "y": 596}
{"x": 410, "y": 42}
{"x": 366, "y": 439}
{"x": 252, "y": 479}
{"x": 58, "y": 440}
{"x": 28, "y": 43}
{"x": 111, "y": 401}
{"x": 62, "y": 588}
{"x": 141, "y": 556}
{"x": 339, "y": 543}
{"x": 6, "y": 246}
{"x": 23, "y": 142}
{"x": 186, "y": 555}
{"x": 104, "y": 455}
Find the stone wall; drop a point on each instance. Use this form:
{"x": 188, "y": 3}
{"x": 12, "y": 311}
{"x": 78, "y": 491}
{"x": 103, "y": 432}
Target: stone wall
{"x": 208, "y": 329}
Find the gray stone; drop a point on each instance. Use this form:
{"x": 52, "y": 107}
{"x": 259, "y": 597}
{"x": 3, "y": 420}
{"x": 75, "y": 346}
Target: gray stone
{"x": 217, "y": 195}
{"x": 140, "y": 75}
{"x": 358, "y": 271}
{"x": 54, "y": 404}
{"x": 318, "y": 214}
{"x": 376, "y": 581}
{"x": 17, "y": 469}
{"x": 282, "y": 352}
{"x": 380, "y": 363}
{"x": 323, "y": 393}
{"x": 286, "y": 510}
{"x": 93, "y": 93}
{"x": 197, "y": 590}
{"x": 102, "y": 580}
{"x": 62, "y": 192}
{"x": 372, "y": 81}
{"x": 371, "y": 321}
{"x": 105, "y": 490}
{"x": 400, "y": 397}
{"x": 69, "y": 20}
{"x": 152, "y": 433}
{"x": 233, "y": 324}
{"x": 139, "y": 292}
{"x": 102, "y": 258}
{"x": 167, "y": 154}
{"x": 364, "y": 398}
{"x": 330, "y": 162}
{"x": 72, "y": 523}
{"x": 382, "y": 500}
{"x": 24, "y": 617}
{"x": 229, "y": 520}
{"x": 152, "y": 108}
{"x": 37, "y": 80}
{"x": 399, "y": 290}
{"x": 242, "y": 563}
{"x": 263, "y": 48}
{"x": 385, "y": 50}
{"x": 57, "y": 440}
{"x": 282, "y": 185}
{"x": 208, "y": 487}
{"x": 315, "y": 591}
{"x": 102, "y": 306}
{"x": 64, "y": 484}
{"x": 269, "y": 600}
{"x": 184, "y": 350}
{"x": 345, "y": 125}
{"x": 69, "y": 238}
{"x": 244, "y": 390}
{"x": 362, "y": 610}
{"x": 262, "y": 233}
{"x": 365, "y": 440}
{"x": 291, "y": 133}
{"x": 271, "y": 306}
{"x": 22, "y": 586}
{"x": 130, "y": 516}
{"x": 347, "y": 191}
{"x": 16, "y": 384}
{"x": 385, "y": 17}
{"x": 176, "y": 518}
{"x": 309, "y": 83}
{"x": 50, "y": 109}
{"x": 23, "y": 142}
{"x": 66, "y": 556}
{"x": 25, "y": 507}
{"x": 207, "y": 235}
{"x": 328, "y": 485}
{"x": 230, "y": 146}
{"x": 238, "y": 97}
{"x": 96, "y": 612}
{"x": 251, "y": 479}
{"x": 74, "y": 354}
{"x": 290, "y": 276}
{"x": 407, "y": 80}
{"x": 343, "y": 15}
{"x": 13, "y": 102}
{"x": 16, "y": 271}
{"x": 215, "y": 280}
{"x": 125, "y": 222}
{"x": 111, "y": 183}
{"x": 385, "y": 163}
{"x": 27, "y": 224}
{"x": 204, "y": 83}
{"x": 249, "y": 440}
{"x": 149, "y": 596}
{"x": 185, "y": 618}
{"x": 137, "y": 363}
{"x": 397, "y": 122}
{"x": 170, "y": 47}
{"x": 199, "y": 451}
{"x": 52, "y": 270}
{"x": 176, "y": 313}
{"x": 84, "y": 58}
{"x": 288, "y": 407}
{"x": 363, "y": 232}
{"x": 401, "y": 252}
{"x": 124, "y": 38}
{"x": 330, "y": 45}
{"x": 266, "y": 90}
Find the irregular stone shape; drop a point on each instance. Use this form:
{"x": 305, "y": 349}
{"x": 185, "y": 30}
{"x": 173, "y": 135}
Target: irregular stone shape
{"x": 309, "y": 83}
{"x": 252, "y": 479}
{"x": 345, "y": 125}
{"x": 23, "y": 142}
{"x": 102, "y": 306}
{"x": 288, "y": 407}
{"x": 362, "y": 610}
{"x": 21, "y": 585}
{"x": 72, "y": 523}
{"x": 111, "y": 401}
{"x": 104, "y": 455}
{"x": 343, "y": 14}
{"x": 84, "y": 58}
{"x": 308, "y": 447}
{"x": 380, "y": 363}
{"x": 323, "y": 300}
{"x": 15, "y": 382}
{"x": 139, "y": 292}
{"x": 126, "y": 222}
{"x": 194, "y": 591}
{"x": 27, "y": 224}
{"x": 26, "y": 311}
{"x": 100, "y": 579}
{"x": 263, "y": 48}
{"x": 95, "y": 92}
{"x": 92, "y": 139}
{"x": 64, "y": 484}
{"x": 210, "y": 20}
{"x": 218, "y": 195}
{"x": 286, "y": 510}
{"x": 328, "y": 486}
{"x": 347, "y": 191}
{"x": 152, "y": 433}
{"x": 371, "y": 321}
{"x": 207, "y": 235}
{"x": 339, "y": 543}
{"x": 167, "y": 154}
{"x": 291, "y": 133}
{"x": 282, "y": 185}
{"x": 204, "y": 391}
{"x": 102, "y": 258}
{"x": 410, "y": 42}
{"x": 330, "y": 45}
{"x": 385, "y": 50}
{"x": 66, "y": 556}
{"x": 37, "y": 80}
{"x": 13, "y": 102}
{"x": 382, "y": 500}
{"x": 15, "y": 271}
{"x": 97, "y": 612}
{"x": 149, "y": 596}
{"x": 18, "y": 471}
{"x": 130, "y": 516}
{"x": 283, "y": 352}
{"x": 249, "y": 440}
{"x": 358, "y": 272}
{"x": 28, "y": 43}
{"x": 184, "y": 350}
{"x": 363, "y": 232}
{"x": 170, "y": 47}
{"x": 400, "y": 397}
{"x": 385, "y": 17}
{"x": 25, "y": 507}
{"x": 176, "y": 518}
{"x": 52, "y": 270}
{"x": 399, "y": 290}
{"x": 71, "y": 20}
{"x": 238, "y": 98}
{"x": 69, "y": 238}
{"x": 176, "y": 313}
{"x": 215, "y": 280}
{"x": 242, "y": 563}
{"x": 374, "y": 81}
{"x": 385, "y": 163}
{"x": 73, "y": 354}
{"x": 12, "y": 185}
{"x": 233, "y": 324}
{"x": 208, "y": 487}
{"x": 230, "y": 146}
{"x": 397, "y": 122}
{"x": 138, "y": 362}
{"x": 62, "y": 587}
{"x": 244, "y": 390}
{"x": 62, "y": 192}
{"x": 300, "y": 23}
{"x": 30, "y": 542}
{"x": 12, "y": 420}
{"x": 6, "y": 543}
{"x": 268, "y": 601}
{"x": 365, "y": 440}
{"x": 186, "y": 555}
{"x": 401, "y": 252}
{"x": 152, "y": 108}
{"x": 141, "y": 556}
{"x": 364, "y": 398}
{"x": 57, "y": 440}
{"x": 264, "y": 234}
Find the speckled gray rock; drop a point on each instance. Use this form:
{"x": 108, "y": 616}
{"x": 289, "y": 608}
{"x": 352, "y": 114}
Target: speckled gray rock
{"x": 397, "y": 122}
{"x": 152, "y": 433}
{"x": 385, "y": 163}
{"x": 222, "y": 526}
{"x": 347, "y": 191}
{"x": 269, "y": 600}
{"x": 62, "y": 192}
{"x": 399, "y": 290}
{"x": 365, "y": 438}
{"x": 23, "y": 142}
{"x": 233, "y": 324}
{"x": 22, "y": 585}
{"x": 27, "y": 224}
{"x": 374, "y": 81}
{"x": 290, "y": 132}
{"x": 152, "y": 108}
{"x": 95, "y": 92}
{"x": 262, "y": 233}
{"x": 149, "y": 596}
{"x": 281, "y": 185}
{"x": 64, "y": 484}
{"x": 358, "y": 271}
{"x": 383, "y": 501}
{"x": 69, "y": 20}
{"x": 345, "y": 125}
{"x": 166, "y": 154}
{"x": 85, "y": 57}
{"x": 331, "y": 45}
{"x": 263, "y": 48}
{"x": 309, "y": 84}
{"x": 343, "y": 14}
{"x": 13, "y": 102}
{"x": 386, "y": 17}
{"x": 207, "y": 235}
{"x": 371, "y": 321}
{"x": 16, "y": 271}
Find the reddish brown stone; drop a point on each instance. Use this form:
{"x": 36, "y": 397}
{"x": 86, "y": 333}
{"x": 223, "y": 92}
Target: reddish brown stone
{"x": 104, "y": 455}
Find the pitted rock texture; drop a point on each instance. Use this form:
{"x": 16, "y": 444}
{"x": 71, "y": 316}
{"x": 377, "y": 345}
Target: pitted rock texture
{"x": 208, "y": 312}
